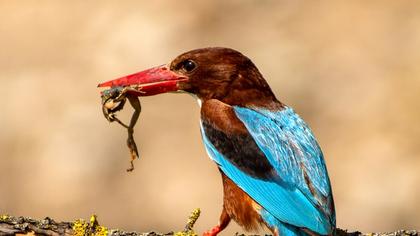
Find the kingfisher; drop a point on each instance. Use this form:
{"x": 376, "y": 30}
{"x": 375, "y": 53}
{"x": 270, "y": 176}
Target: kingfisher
{"x": 272, "y": 168}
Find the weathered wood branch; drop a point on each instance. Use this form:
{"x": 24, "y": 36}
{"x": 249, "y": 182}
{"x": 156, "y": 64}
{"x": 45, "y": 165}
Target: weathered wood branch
{"x": 10, "y": 225}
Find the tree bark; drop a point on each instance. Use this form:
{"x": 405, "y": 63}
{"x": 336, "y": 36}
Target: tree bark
{"x": 10, "y": 225}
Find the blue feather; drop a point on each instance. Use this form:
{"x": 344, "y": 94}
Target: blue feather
{"x": 292, "y": 150}
{"x": 284, "y": 229}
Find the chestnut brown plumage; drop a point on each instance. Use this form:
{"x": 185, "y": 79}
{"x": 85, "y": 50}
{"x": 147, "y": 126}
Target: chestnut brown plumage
{"x": 226, "y": 75}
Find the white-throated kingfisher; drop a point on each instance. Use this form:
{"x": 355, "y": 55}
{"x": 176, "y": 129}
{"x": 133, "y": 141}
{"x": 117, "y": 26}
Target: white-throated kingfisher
{"x": 272, "y": 167}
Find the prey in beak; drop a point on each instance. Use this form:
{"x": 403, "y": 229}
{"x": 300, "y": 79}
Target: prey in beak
{"x": 113, "y": 100}
{"x": 145, "y": 83}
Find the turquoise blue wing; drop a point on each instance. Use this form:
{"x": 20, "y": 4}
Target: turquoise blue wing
{"x": 300, "y": 194}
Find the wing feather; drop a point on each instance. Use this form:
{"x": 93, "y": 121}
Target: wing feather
{"x": 301, "y": 195}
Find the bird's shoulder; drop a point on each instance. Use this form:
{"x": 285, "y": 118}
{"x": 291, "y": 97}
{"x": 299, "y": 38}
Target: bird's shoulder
{"x": 222, "y": 117}
{"x": 227, "y": 133}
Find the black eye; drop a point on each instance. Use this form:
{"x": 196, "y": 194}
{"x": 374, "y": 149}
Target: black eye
{"x": 188, "y": 65}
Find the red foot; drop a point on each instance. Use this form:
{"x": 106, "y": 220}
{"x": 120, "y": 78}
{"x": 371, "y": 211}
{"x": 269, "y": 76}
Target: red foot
{"x": 212, "y": 232}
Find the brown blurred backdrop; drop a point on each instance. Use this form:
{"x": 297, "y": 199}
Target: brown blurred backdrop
{"x": 350, "y": 68}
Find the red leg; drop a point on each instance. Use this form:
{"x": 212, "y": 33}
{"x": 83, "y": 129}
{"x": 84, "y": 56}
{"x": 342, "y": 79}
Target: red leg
{"x": 223, "y": 222}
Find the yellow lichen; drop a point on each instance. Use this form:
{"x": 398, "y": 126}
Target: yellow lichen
{"x": 98, "y": 229}
{"x": 4, "y": 217}
{"x": 82, "y": 228}
{"x": 193, "y": 218}
{"x": 188, "y": 231}
{"x": 101, "y": 231}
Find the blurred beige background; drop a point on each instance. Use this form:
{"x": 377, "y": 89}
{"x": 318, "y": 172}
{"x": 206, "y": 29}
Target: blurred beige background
{"x": 350, "y": 68}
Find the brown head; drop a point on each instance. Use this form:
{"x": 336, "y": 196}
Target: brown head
{"x": 209, "y": 73}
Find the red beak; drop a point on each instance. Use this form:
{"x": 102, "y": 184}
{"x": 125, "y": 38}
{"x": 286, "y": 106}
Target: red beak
{"x": 150, "y": 82}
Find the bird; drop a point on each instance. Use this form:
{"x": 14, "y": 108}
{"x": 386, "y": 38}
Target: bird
{"x": 272, "y": 167}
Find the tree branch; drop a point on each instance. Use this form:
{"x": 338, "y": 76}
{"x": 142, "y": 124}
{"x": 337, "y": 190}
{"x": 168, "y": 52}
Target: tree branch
{"x": 10, "y": 225}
